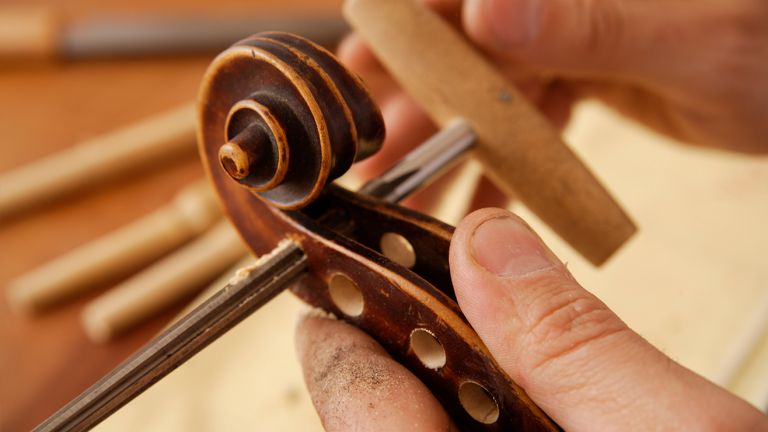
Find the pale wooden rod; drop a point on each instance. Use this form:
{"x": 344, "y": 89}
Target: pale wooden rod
{"x": 160, "y": 137}
{"x": 27, "y": 32}
{"x": 163, "y": 284}
{"x": 520, "y": 150}
{"x": 116, "y": 254}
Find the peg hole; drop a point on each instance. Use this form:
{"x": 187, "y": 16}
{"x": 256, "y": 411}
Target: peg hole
{"x": 427, "y": 348}
{"x": 478, "y": 402}
{"x": 346, "y": 295}
{"x": 398, "y": 249}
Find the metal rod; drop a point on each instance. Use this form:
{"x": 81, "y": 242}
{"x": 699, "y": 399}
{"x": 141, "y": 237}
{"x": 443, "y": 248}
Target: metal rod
{"x": 423, "y": 164}
{"x": 269, "y": 276}
{"x": 256, "y": 286}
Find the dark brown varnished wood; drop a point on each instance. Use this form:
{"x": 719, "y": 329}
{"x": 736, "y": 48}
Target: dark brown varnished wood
{"x": 294, "y": 118}
{"x": 340, "y": 232}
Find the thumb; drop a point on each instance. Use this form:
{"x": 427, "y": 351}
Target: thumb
{"x": 595, "y": 38}
{"x": 576, "y": 359}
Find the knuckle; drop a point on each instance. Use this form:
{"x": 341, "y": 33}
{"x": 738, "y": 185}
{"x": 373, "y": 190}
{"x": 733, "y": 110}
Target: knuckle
{"x": 738, "y": 37}
{"x": 740, "y": 33}
{"x": 605, "y": 27}
{"x": 560, "y": 321}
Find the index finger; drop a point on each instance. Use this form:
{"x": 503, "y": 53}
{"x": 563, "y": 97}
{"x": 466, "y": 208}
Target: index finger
{"x": 356, "y": 386}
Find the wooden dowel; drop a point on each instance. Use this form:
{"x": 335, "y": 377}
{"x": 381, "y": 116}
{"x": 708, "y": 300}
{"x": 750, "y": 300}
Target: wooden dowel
{"x": 170, "y": 133}
{"x": 27, "y": 32}
{"x": 520, "y": 150}
{"x": 163, "y": 284}
{"x": 192, "y": 212}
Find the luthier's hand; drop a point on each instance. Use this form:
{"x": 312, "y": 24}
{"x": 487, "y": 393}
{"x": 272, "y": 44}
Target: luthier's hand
{"x": 575, "y": 358}
{"x": 694, "y": 70}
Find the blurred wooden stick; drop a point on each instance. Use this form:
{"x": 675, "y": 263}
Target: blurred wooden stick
{"x": 170, "y": 133}
{"x": 192, "y": 211}
{"x": 35, "y": 32}
{"x": 163, "y": 284}
{"x": 27, "y": 32}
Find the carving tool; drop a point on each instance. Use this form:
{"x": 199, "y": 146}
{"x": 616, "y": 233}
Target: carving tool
{"x": 192, "y": 212}
{"x": 149, "y": 141}
{"x": 37, "y": 32}
{"x": 280, "y": 118}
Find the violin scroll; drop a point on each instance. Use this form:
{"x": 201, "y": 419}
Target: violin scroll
{"x": 296, "y": 118}
{"x": 281, "y": 117}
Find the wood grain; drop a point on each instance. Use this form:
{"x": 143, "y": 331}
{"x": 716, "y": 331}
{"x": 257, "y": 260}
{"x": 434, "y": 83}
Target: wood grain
{"x": 163, "y": 284}
{"x": 340, "y": 233}
{"x": 44, "y": 108}
{"x": 520, "y": 150}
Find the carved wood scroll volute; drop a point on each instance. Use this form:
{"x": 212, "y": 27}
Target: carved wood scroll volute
{"x": 279, "y": 119}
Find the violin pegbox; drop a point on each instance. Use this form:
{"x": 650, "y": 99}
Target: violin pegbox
{"x": 296, "y": 118}
{"x": 281, "y": 118}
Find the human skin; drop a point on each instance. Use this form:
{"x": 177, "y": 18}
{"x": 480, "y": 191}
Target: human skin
{"x": 574, "y": 357}
{"x": 696, "y": 71}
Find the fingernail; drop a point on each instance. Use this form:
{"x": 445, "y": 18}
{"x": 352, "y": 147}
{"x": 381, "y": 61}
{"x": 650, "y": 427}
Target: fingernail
{"x": 506, "y": 247}
{"x": 513, "y": 22}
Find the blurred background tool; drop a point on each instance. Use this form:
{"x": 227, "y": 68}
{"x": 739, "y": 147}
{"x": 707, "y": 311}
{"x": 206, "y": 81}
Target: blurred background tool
{"x": 99, "y": 160}
{"x": 35, "y": 32}
{"x": 191, "y": 212}
{"x": 163, "y": 284}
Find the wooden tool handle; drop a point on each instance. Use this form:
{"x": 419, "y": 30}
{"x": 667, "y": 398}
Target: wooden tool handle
{"x": 170, "y": 133}
{"x": 192, "y": 212}
{"x": 27, "y": 32}
{"x": 518, "y": 147}
{"x": 163, "y": 284}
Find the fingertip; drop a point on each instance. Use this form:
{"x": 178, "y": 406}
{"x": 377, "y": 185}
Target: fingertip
{"x": 503, "y": 26}
{"x": 355, "y": 385}
{"x": 574, "y": 357}
{"x": 475, "y": 22}
{"x": 309, "y": 329}
{"x": 499, "y": 242}
{"x": 460, "y": 255}
{"x": 467, "y": 225}
{"x": 482, "y": 295}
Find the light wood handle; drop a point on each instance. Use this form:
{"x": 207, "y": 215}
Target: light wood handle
{"x": 192, "y": 212}
{"x": 171, "y": 133}
{"x": 27, "y": 32}
{"x": 520, "y": 150}
{"x": 163, "y": 284}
